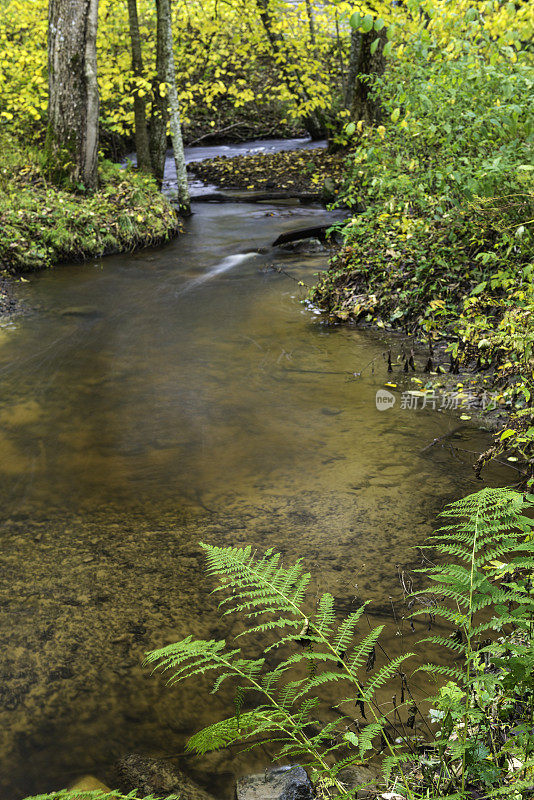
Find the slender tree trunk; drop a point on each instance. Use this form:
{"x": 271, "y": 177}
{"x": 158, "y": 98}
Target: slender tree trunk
{"x": 311, "y": 21}
{"x": 354, "y": 66}
{"x": 73, "y": 103}
{"x": 164, "y": 11}
{"x": 142, "y": 146}
{"x": 159, "y": 115}
{"x": 341, "y": 59}
{"x": 311, "y": 121}
{"x": 365, "y": 105}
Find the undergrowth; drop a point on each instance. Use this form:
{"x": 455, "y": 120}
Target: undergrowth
{"x": 41, "y": 225}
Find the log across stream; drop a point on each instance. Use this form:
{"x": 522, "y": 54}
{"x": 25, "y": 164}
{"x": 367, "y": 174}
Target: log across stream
{"x": 151, "y": 401}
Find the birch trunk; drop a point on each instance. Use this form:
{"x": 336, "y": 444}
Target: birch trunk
{"x": 164, "y": 11}
{"x": 73, "y": 103}
{"x": 142, "y": 147}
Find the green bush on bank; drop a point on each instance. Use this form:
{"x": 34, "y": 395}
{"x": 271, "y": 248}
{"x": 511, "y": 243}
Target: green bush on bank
{"x": 41, "y": 224}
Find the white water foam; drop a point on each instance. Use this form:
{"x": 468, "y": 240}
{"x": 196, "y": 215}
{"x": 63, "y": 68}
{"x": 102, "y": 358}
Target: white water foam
{"x": 223, "y": 266}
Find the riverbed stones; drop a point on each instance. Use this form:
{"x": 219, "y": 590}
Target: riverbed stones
{"x": 157, "y": 777}
{"x": 280, "y": 783}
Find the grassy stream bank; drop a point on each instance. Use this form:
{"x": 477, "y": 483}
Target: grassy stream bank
{"x": 42, "y": 225}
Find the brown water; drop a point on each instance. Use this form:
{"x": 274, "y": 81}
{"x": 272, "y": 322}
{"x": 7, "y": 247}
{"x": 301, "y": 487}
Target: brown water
{"x": 145, "y": 408}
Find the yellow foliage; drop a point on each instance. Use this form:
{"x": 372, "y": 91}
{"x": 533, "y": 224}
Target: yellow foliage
{"x": 223, "y": 55}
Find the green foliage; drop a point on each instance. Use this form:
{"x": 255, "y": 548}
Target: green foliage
{"x": 486, "y": 712}
{"x": 443, "y": 244}
{"x": 481, "y": 592}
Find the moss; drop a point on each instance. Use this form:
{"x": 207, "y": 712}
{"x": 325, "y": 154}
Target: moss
{"x": 41, "y": 224}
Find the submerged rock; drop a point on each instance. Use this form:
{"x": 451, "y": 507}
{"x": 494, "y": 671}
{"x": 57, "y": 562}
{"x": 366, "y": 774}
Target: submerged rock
{"x": 81, "y": 311}
{"x": 311, "y": 245}
{"x": 280, "y": 783}
{"x": 151, "y": 776}
{"x": 88, "y": 783}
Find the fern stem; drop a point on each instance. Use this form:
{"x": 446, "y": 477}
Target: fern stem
{"x": 469, "y": 650}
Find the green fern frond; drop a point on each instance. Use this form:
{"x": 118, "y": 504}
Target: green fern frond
{"x": 326, "y": 615}
{"x": 345, "y": 631}
{"x": 363, "y": 649}
{"x": 439, "y": 669}
{"x": 368, "y": 733}
{"x": 260, "y": 721}
{"x": 445, "y": 641}
{"x": 383, "y": 675}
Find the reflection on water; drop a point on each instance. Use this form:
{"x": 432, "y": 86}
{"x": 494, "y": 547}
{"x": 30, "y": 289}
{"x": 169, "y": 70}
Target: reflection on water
{"x": 138, "y": 419}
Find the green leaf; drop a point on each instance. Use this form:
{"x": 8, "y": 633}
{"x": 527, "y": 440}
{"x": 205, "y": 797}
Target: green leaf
{"x": 388, "y": 48}
{"x": 374, "y": 46}
{"x": 395, "y": 114}
{"x": 379, "y": 24}
{"x": 356, "y": 20}
{"x": 367, "y": 23}
{"x": 350, "y": 129}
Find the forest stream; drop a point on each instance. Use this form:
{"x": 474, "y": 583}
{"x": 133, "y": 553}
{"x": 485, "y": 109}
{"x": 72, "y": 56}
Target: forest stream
{"x": 177, "y": 395}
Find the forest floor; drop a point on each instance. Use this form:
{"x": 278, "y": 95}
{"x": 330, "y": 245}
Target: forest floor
{"x": 310, "y": 172}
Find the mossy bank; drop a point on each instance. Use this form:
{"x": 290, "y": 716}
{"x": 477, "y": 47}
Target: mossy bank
{"x": 42, "y": 224}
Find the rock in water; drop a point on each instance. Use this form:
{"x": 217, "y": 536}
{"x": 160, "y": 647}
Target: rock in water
{"x": 150, "y": 776}
{"x": 280, "y": 783}
{"x": 88, "y": 783}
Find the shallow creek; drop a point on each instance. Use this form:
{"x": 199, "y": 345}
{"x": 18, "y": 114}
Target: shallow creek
{"x": 155, "y": 400}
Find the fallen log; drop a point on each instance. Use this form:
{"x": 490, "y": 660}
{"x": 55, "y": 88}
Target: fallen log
{"x": 317, "y": 232}
{"x": 256, "y": 197}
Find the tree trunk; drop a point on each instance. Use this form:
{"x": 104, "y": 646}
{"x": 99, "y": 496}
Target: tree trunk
{"x": 73, "y": 103}
{"x": 365, "y": 106}
{"x": 164, "y": 11}
{"x": 354, "y": 66}
{"x": 142, "y": 147}
{"x": 311, "y": 21}
{"x": 159, "y": 116}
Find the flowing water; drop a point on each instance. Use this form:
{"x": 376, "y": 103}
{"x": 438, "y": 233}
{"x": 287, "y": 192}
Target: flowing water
{"x": 152, "y": 401}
